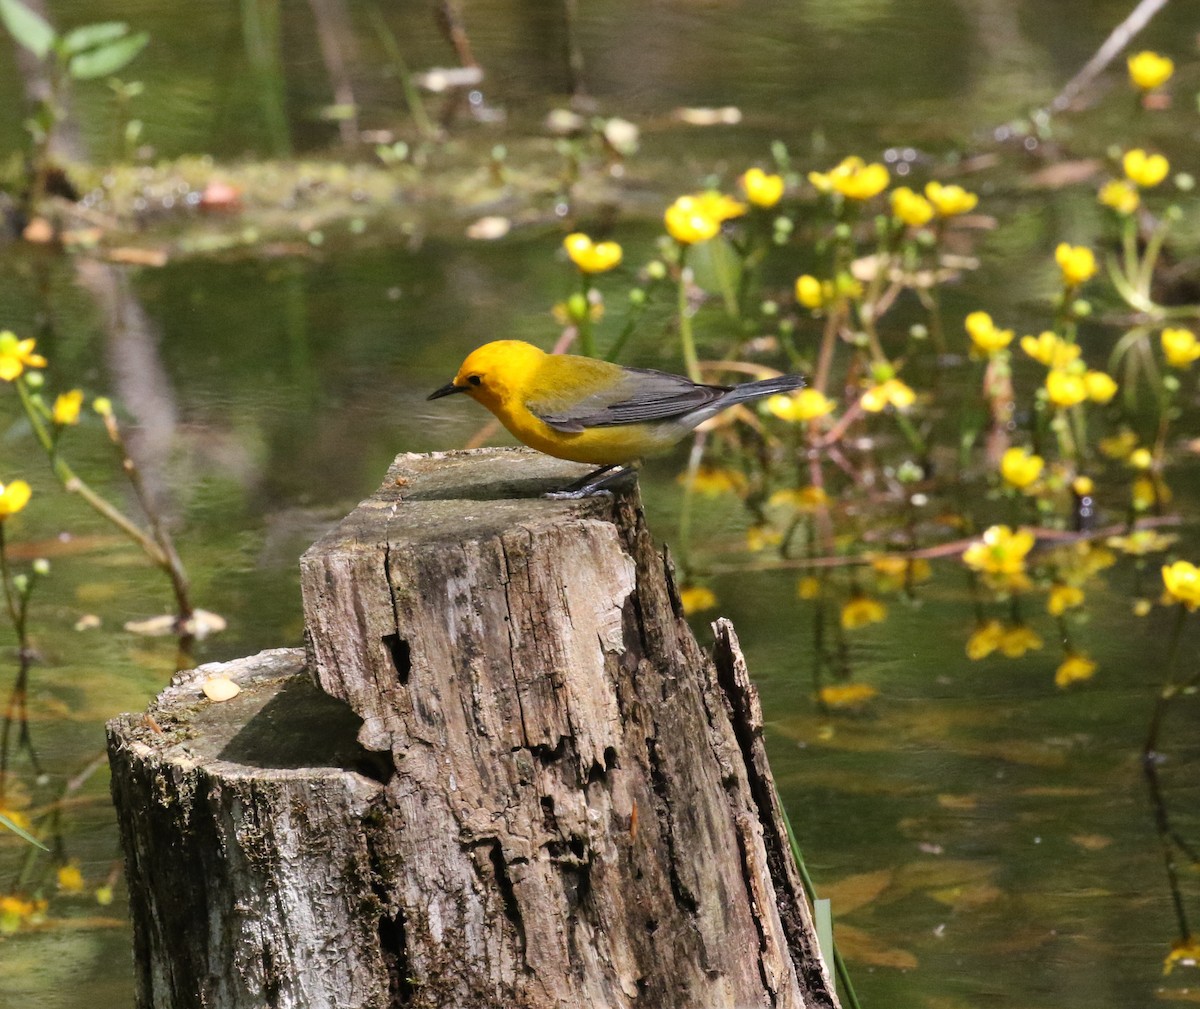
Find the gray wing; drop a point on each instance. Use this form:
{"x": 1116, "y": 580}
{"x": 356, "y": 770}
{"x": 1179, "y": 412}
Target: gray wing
{"x": 641, "y": 395}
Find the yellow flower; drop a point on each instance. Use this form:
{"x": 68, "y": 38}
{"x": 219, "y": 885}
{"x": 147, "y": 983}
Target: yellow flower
{"x": 950, "y": 201}
{"x": 103, "y": 406}
{"x": 688, "y": 221}
{"x": 813, "y": 293}
{"x": 892, "y": 392}
{"x": 846, "y": 695}
{"x": 1141, "y": 458}
{"x": 695, "y": 598}
{"x": 1183, "y": 951}
{"x": 861, "y": 610}
{"x": 70, "y": 879}
{"x": 1020, "y": 468}
{"x": 1065, "y": 388}
{"x": 589, "y": 256}
{"x": 761, "y": 189}
{"x": 1077, "y": 263}
{"x": 802, "y": 406}
{"x": 17, "y": 355}
{"x": 984, "y": 640}
{"x": 13, "y": 497}
{"x": 1182, "y": 582}
{"x": 1019, "y": 639}
{"x": 1049, "y": 349}
{"x": 1101, "y": 387}
{"x": 711, "y": 481}
{"x": 911, "y": 208}
{"x": 66, "y": 407}
{"x": 759, "y": 537}
{"x": 1074, "y": 669}
{"x": 854, "y": 179}
{"x": 1145, "y": 170}
{"x": 1083, "y": 486}
{"x": 1120, "y": 195}
{"x": 984, "y": 334}
{"x": 1180, "y": 347}
{"x": 1062, "y": 598}
{"x": 809, "y": 587}
{"x": 1000, "y": 552}
{"x": 1148, "y": 70}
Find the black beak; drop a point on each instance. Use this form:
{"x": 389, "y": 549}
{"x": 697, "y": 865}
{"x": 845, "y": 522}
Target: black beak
{"x": 449, "y": 389}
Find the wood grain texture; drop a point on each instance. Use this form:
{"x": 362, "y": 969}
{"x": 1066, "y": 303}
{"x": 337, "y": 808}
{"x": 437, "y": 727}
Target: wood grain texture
{"x": 521, "y": 783}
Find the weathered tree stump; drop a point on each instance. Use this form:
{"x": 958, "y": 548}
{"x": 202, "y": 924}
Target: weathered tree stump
{"x": 559, "y": 801}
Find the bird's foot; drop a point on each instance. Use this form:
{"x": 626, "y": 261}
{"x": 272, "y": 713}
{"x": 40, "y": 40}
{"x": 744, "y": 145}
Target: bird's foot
{"x": 597, "y": 482}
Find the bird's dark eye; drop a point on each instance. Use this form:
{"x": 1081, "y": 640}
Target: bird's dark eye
{"x": 475, "y": 380}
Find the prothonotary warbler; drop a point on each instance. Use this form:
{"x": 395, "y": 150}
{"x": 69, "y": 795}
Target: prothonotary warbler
{"x": 592, "y": 411}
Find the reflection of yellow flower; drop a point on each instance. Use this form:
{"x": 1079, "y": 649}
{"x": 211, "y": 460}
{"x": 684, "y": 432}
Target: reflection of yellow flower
{"x": 70, "y": 879}
{"x": 895, "y": 572}
{"x": 1180, "y": 347}
{"x": 1065, "y": 388}
{"x": 66, "y": 407}
{"x": 1148, "y": 70}
{"x": 984, "y": 640}
{"x": 1119, "y": 445}
{"x": 589, "y": 256}
{"x": 17, "y": 355}
{"x": 696, "y": 598}
{"x": 852, "y": 178}
{"x": 861, "y": 610}
{"x": 1120, "y": 195}
{"x": 1049, "y": 349}
{"x": 1077, "y": 263}
{"x": 1000, "y": 551}
{"x": 911, "y": 208}
{"x": 761, "y": 189}
{"x": 808, "y": 587}
{"x": 1149, "y": 491}
{"x": 805, "y": 405}
{"x": 1182, "y": 582}
{"x": 1141, "y": 542}
{"x": 16, "y": 911}
{"x": 1183, "y": 951}
{"x": 1018, "y": 639}
{"x": 1020, "y": 468}
{"x": 13, "y": 497}
{"x": 892, "y": 392}
{"x": 1101, "y": 387}
{"x": 1145, "y": 170}
{"x": 846, "y": 695}
{"x": 1062, "y": 598}
{"x": 950, "y": 201}
{"x": 711, "y": 481}
{"x": 805, "y": 499}
{"x": 1074, "y": 669}
{"x": 984, "y": 333}
{"x": 760, "y": 537}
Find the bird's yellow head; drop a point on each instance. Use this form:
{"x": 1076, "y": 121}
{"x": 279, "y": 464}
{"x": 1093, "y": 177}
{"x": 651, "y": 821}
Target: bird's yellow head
{"x": 493, "y": 373}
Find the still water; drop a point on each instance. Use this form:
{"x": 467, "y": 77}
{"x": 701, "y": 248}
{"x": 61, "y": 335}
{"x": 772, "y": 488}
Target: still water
{"x": 986, "y": 838}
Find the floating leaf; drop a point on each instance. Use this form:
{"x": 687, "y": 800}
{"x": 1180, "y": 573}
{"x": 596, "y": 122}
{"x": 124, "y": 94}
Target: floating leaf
{"x": 861, "y": 947}
{"x": 29, "y": 28}
{"x": 965, "y": 898}
{"x": 107, "y": 59}
{"x": 856, "y": 891}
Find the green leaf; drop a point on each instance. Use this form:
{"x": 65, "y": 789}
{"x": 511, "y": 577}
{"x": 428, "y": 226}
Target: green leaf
{"x": 6, "y": 822}
{"x": 29, "y": 28}
{"x": 90, "y": 36}
{"x": 106, "y": 59}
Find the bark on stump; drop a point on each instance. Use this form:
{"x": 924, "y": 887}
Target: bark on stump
{"x": 559, "y": 801}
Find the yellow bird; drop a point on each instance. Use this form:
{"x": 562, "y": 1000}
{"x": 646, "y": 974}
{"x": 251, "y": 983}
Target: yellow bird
{"x": 592, "y": 411}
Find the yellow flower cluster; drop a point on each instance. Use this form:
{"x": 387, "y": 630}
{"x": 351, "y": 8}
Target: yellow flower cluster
{"x": 66, "y": 408}
{"x": 1020, "y": 468}
{"x": 1000, "y": 556}
{"x": 1180, "y": 347}
{"x": 950, "y": 201}
{"x": 698, "y": 217}
{"x": 801, "y": 407}
{"x": 853, "y": 178}
{"x": 1077, "y": 263}
{"x": 1067, "y": 388}
{"x": 1121, "y": 195}
{"x": 891, "y": 392}
{"x": 1011, "y": 641}
{"x": 1050, "y": 349}
{"x": 911, "y": 208}
{"x": 1144, "y": 170}
{"x": 589, "y": 256}
{"x": 1182, "y": 583}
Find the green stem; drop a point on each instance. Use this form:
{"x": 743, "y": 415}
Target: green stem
{"x": 587, "y": 339}
{"x": 412, "y": 98}
{"x": 1150, "y": 258}
{"x": 687, "y": 341}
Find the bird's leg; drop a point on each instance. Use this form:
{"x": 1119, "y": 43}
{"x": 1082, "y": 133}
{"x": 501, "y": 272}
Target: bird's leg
{"x": 590, "y": 483}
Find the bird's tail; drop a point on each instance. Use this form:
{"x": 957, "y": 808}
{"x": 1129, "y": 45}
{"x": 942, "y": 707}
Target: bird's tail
{"x": 749, "y": 391}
